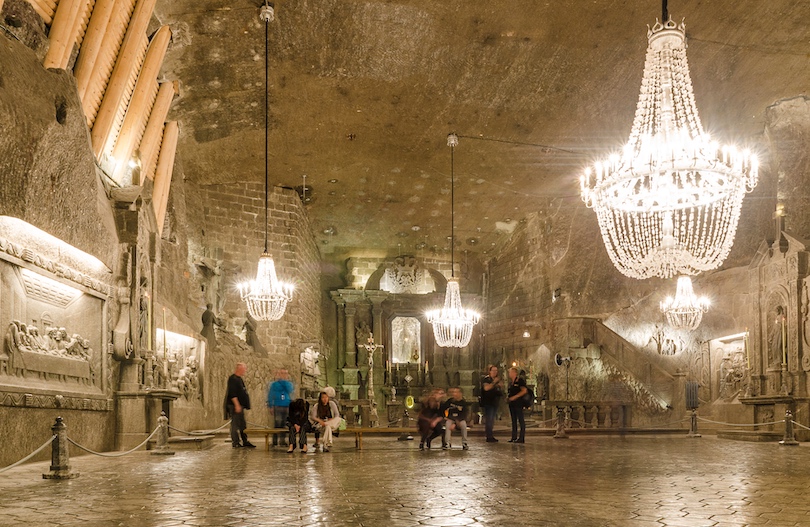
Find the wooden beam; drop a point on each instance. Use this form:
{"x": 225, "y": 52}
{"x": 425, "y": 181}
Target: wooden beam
{"x": 139, "y": 104}
{"x": 127, "y": 60}
{"x": 75, "y": 29}
{"x": 107, "y": 55}
{"x": 163, "y": 174}
{"x": 91, "y": 46}
{"x": 60, "y": 33}
{"x": 150, "y": 141}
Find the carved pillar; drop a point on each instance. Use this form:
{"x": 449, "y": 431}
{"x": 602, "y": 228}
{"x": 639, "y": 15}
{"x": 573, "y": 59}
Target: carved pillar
{"x": 341, "y": 330}
{"x": 351, "y": 349}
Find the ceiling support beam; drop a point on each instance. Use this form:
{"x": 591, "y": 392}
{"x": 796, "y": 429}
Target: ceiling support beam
{"x": 163, "y": 174}
{"x": 140, "y": 104}
{"x": 104, "y": 124}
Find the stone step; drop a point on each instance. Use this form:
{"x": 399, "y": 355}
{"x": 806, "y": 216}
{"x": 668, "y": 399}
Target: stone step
{"x": 201, "y": 442}
{"x": 751, "y": 435}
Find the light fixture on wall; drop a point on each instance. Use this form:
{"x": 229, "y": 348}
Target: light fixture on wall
{"x": 685, "y": 311}
{"x": 669, "y": 203}
{"x": 452, "y": 324}
{"x": 266, "y": 297}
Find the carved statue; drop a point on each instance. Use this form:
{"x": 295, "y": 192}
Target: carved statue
{"x": 775, "y": 337}
{"x": 251, "y": 338}
{"x": 208, "y": 320}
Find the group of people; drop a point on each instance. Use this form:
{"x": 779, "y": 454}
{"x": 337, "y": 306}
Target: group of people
{"x": 441, "y": 412}
{"x": 440, "y": 416}
{"x": 322, "y": 418}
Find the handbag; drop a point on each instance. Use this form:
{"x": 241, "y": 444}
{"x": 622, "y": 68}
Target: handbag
{"x": 342, "y": 425}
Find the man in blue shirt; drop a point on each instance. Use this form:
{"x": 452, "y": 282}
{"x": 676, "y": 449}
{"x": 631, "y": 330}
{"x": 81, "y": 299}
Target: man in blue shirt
{"x": 279, "y": 396}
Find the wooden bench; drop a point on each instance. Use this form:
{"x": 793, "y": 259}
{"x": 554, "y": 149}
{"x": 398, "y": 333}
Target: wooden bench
{"x": 266, "y": 432}
{"x": 358, "y": 433}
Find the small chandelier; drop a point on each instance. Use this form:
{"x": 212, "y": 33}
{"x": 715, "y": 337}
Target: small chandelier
{"x": 669, "y": 203}
{"x": 452, "y": 324}
{"x": 266, "y": 297}
{"x": 685, "y": 311}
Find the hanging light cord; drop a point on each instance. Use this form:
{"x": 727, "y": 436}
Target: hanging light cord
{"x": 664, "y": 12}
{"x": 452, "y": 213}
{"x": 266, "y": 124}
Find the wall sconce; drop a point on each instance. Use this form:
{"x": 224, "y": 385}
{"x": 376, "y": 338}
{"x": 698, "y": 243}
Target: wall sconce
{"x": 526, "y": 334}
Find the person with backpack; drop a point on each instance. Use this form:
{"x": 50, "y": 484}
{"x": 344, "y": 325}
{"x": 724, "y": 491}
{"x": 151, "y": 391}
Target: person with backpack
{"x": 515, "y": 397}
{"x": 279, "y": 396}
{"x": 491, "y": 391}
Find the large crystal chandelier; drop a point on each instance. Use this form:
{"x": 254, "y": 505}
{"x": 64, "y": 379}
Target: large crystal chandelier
{"x": 685, "y": 311}
{"x": 266, "y": 297}
{"x": 452, "y": 324}
{"x": 669, "y": 203}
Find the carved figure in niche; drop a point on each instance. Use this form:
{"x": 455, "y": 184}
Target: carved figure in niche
{"x": 362, "y": 333}
{"x": 251, "y": 338}
{"x": 143, "y": 321}
{"x": 668, "y": 347}
{"x": 775, "y": 337}
{"x": 188, "y": 379}
{"x": 208, "y": 320}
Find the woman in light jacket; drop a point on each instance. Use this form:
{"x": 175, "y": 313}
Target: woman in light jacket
{"x": 325, "y": 418}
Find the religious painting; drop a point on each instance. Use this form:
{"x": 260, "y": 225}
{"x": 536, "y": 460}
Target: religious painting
{"x": 406, "y": 340}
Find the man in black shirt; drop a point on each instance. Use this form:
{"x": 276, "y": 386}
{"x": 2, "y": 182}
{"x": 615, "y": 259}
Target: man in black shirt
{"x": 237, "y": 401}
{"x": 455, "y": 413}
{"x": 492, "y": 389}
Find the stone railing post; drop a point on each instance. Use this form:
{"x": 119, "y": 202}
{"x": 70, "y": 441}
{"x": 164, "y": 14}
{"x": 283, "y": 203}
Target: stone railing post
{"x": 789, "y": 439}
{"x": 162, "y": 442}
{"x": 560, "y": 434}
{"x": 60, "y": 457}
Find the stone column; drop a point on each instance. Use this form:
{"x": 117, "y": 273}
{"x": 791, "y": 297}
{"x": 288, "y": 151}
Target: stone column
{"x": 351, "y": 348}
{"x": 341, "y": 329}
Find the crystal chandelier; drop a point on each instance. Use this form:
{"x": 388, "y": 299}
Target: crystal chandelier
{"x": 266, "y": 297}
{"x": 685, "y": 311}
{"x": 669, "y": 203}
{"x": 452, "y": 324}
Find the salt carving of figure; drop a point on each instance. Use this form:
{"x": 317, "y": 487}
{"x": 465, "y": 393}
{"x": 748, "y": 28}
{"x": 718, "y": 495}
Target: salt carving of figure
{"x": 775, "y": 338}
{"x": 208, "y": 320}
{"x": 251, "y": 338}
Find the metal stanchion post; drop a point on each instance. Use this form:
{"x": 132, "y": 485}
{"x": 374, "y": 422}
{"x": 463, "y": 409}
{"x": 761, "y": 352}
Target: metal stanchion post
{"x": 789, "y": 439}
{"x": 693, "y": 431}
{"x": 162, "y": 443}
{"x": 60, "y": 457}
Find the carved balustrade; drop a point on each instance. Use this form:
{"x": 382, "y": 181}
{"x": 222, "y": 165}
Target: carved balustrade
{"x": 589, "y": 414}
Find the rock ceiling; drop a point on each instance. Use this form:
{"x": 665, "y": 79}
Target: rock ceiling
{"x": 363, "y": 94}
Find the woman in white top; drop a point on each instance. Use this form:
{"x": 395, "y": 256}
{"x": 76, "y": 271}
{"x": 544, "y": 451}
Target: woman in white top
{"x": 325, "y": 418}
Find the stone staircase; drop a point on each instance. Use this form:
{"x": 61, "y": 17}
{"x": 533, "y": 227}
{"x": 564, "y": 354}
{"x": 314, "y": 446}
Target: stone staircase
{"x": 651, "y": 389}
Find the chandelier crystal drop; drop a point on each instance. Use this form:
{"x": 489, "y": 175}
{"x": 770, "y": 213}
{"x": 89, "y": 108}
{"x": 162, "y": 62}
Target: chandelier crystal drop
{"x": 685, "y": 311}
{"x": 669, "y": 203}
{"x": 266, "y": 296}
{"x": 452, "y": 324}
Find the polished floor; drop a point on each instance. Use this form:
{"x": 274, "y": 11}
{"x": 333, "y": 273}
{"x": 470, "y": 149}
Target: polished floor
{"x": 637, "y": 481}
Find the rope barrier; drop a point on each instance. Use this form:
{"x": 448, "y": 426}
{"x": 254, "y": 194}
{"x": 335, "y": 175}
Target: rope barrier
{"x": 199, "y": 432}
{"x": 799, "y": 425}
{"x": 29, "y": 456}
{"x": 734, "y": 424}
{"x": 117, "y": 454}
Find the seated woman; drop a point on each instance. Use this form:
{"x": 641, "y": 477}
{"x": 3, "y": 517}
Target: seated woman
{"x": 430, "y": 419}
{"x": 298, "y": 423}
{"x": 324, "y": 417}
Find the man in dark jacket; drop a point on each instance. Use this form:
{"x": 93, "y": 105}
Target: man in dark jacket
{"x": 237, "y": 401}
